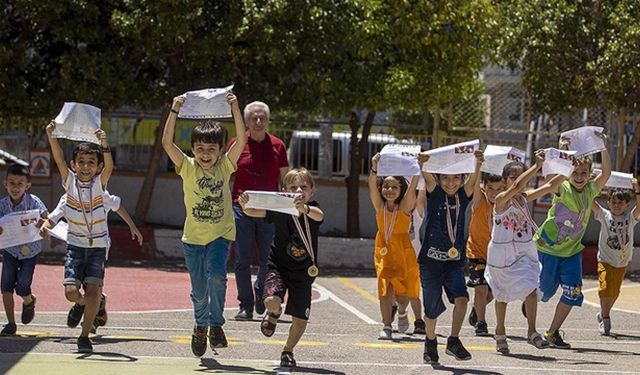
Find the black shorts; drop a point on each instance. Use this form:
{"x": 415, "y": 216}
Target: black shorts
{"x": 298, "y": 293}
{"x": 476, "y": 272}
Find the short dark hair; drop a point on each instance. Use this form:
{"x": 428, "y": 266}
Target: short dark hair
{"x": 490, "y": 177}
{"x": 511, "y": 166}
{"x": 208, "y": 131}
{"x": 622, "y": 194}
{"x": 404, "y": 186}
{"x": 19, "y": 170}
{"x": 88, "y": 148}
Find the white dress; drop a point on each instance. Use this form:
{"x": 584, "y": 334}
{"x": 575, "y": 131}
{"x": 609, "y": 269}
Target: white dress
{"x": 512, "y": 259}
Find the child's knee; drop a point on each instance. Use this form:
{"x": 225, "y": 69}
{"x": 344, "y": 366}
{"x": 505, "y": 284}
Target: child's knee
{"x": 461, "y": 301}
{"x": 273, "y": 303}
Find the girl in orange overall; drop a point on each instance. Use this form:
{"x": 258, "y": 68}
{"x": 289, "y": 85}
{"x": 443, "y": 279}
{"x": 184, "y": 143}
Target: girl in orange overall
{"x": 394, "y": 257}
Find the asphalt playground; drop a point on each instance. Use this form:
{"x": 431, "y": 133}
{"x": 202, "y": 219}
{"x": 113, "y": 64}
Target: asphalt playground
{"x": 150, "y": 322}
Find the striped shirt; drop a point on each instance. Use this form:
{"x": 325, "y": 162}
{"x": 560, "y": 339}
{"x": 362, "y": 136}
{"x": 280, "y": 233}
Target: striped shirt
{"x": 29, "y": 202}
{"x": 85, "y": 213}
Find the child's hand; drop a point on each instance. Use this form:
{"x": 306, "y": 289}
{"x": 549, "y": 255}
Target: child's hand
{"x": 178, "y": 101}
{"x": 634, "y": 183}
{"x": 300, "y": 205}
{"x": 102, "y": 137}
{"x": 422, "y": 158}
{"x": 540, "y": 155}
{"x": 43, "y": 229}
{"x": 50, "y": 128}
{"x": 243, "y": 199}
{"x": 231, "y": 99}
{"x": 602, "y": 136}
{"x": 135, "y": 233}
{"x": 479, "y": 157}
{"x": 374, "y": 161}
{"x": 563, "y": 143}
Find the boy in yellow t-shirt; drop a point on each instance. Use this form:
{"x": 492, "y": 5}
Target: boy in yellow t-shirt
{"x": 209, "y": 225}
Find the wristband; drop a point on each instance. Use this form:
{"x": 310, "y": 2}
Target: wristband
{"x": 105, "y": 150}
{"x": 174, "y": 111}
{"x": 373, "y": 171}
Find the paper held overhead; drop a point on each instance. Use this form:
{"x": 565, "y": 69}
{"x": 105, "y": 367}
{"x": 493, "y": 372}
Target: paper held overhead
{"x": 584, "y": 141}
{"x": 496, "y": 157}
{"x": 558, "y": 162}
{"x": 399, "y": 160}
{"x": 453, "y": 159}
{"x": 78, "y": 122}
{"x": 207, "y": 103}
{"x": 617, "y": 179}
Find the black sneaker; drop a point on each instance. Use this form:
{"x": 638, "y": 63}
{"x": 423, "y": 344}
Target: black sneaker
{"x": 430, "y": 355}
{"x": 9, "y": 329}
{"x": 75, "y": 315}
{"x": 217, "y": 339}
{"x": 199, "y": 341}
{"x": 101, "y": 317}
{"x": 524, "y": 310}
{"x": 287, "y": 360}
{"x": 84, "y": 345}
{"x": 244, "y": 315}
{"x": 555, "y": 340}
{"x": 473, "y": 318}
{"x": 419, "y": 328}
{"x": 456, "y": 349}
{"x": 481, "y": 328}
{"x": 28, "y": 311}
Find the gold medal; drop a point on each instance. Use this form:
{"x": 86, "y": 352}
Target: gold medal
{"x": 313, "y": 271}
{"x": 383, "y": 251}
{"x": 453, "y": 253}
{"x": 25, "y": 250}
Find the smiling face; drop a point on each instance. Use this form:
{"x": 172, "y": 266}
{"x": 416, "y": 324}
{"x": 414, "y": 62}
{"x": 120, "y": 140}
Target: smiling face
{"x": 86, "y": 166}
{"x": 16, "y": 187}
{"x": 581, "y": 176}
{"x": 451, "y": 183}
{"x": 618, "y": 206}
{"x": 257, "y": 122}
{"x": 301, "y": 186}
{"x": 492, "y": 189}
{"x": 206, "y": 154}
{"x": 390, "y": 189}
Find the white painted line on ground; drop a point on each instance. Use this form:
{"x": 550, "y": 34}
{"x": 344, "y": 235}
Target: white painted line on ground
{"x": 344, "y": 304}
{"x": 586, "y": 302}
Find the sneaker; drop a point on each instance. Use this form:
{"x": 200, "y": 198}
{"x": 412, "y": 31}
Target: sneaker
{"x": 259, "y": 305}
{"x": 287, "y": 360}
{"x": 75, "y": 315}
{"x": 604, "y": 325}
{"x": 419, "y": 327}
{"x": 430, "y": 355}
{"x": 28, "y": 311}
{"x": 9, "y": 329}
{"x": 473, "y": 318}
{"x": 243, "y": 315}
{"x": 385, "y": 334}
{"x": 456, "y": 349}
{"x": 556, "y": 341}
{"x": 101, "y": 316}
{"x": 217, "y": 339}
{"x": 199, "y": 341}
{"x": 481, "y": 328}
{"x": 403, "y": 322}
{"x": 84, "y": 345}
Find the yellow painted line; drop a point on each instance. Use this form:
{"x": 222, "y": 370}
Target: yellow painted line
{"x": 359, "y": 290}
{"x": 35, "y": 334}
{"x": 301, "y": 343}
{"x": 394, "y": 345}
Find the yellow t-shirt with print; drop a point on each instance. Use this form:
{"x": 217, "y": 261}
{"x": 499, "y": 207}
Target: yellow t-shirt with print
{"x": 207, "y": 198}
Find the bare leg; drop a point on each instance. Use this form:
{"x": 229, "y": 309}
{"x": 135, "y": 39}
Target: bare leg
{"x": 296, "y": 330}
{"x": 501, "y": 313}
{"x": 72, "y": 294}
{"x": 7, "y": 301}
{"x": 459, "y": 311}
{"x": 403, "y": 303}
{"x": 386, "y": 303}
{"x": 606, "y": 304}
{"x": 562, "y": 311}
{"x": 92, "y": 298}
{"x": 480, "y": 300}
{"x": 416, "y": 306}
{"x": 274, "y": 306}
{"x": 531, "y": 307}
{"x": 431, "y": 328}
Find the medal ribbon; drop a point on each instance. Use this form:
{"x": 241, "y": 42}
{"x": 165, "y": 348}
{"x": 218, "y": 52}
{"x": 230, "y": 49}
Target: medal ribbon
{"x": 389, "y": 230}
{"x": 305, "y": 237}
{"x": 620, "y": 231}
{"x": 453, "y": 230}
{"x": 84, "y": 214}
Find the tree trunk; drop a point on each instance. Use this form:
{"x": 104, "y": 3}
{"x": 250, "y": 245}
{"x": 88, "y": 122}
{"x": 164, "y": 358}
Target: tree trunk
{"x": 622, "y": 119}
{"x": 357, "y": 150}
{"x": 435, "y": 137}
{"x": 632, "y": 147}
{"x": 146, "y": 192}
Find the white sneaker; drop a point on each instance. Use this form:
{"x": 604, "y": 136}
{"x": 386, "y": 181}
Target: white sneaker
{"x": 385, "y": 334}
{"x": 604, "y": 325}
{"x": 403, "y": 322}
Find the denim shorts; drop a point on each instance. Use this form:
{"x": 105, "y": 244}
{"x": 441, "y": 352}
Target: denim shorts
{"x": 17, "y": 274}
{"x": 84, "y": 265}
{"x": 561, "y": 272}
{"x": 436, "y": 275}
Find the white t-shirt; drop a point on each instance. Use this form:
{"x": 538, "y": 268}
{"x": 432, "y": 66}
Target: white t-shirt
{"x": 613, "y": 230}
{"x": 414, "y": 230}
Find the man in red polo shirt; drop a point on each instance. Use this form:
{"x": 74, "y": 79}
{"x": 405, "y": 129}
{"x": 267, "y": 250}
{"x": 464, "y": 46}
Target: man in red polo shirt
{"x": 261, "y": 166}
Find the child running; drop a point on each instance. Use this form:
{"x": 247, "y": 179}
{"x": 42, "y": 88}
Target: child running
{"x": 512, "y": 259}
{"x": 394, "y": 256}
{"x": 84, "y": 185}
{"x": 559, "y": 240}
{"x": 209, "y": 225}
{"x": 615, "y": 248}
{"x": 19, "y": 262}
{"x": 484, "y": 197}
{"x": 442, "y": 257}
{"x": 292, "y": 261}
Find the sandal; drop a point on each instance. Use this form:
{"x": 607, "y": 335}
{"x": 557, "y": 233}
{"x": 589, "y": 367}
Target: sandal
{"x": 501, "y": 347}
{"x": 267, "y": 327}
{"x": 538, "y": 341}
{"x": 287, "y": 360}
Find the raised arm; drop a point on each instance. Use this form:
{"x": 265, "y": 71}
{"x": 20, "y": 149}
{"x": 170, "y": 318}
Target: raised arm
{"x": 175, "y": 154}
{"x": 420, "y": 200}
{"x": 108, "y": 160}
{"x": 243, "y": 199}
{"x": 636, "y": 189}
{"x": 519, "y": 184}
{"x": 475, "y": 176}
{"x": 315, "y": 213}
{"x": 477, "y": 194}
{"x": 606, "y": 164}
{"x": 408, "y": 202}
{"x": 241, "y": 133}
{"x": 135, "y": 233}
{"x": 549, "y": 187}
{"x": 374, "y": 194}
{"x": 429, "y": 179}
{"x": 56, "y": 152}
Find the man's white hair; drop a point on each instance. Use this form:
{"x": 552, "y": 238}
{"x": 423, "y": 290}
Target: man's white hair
{"x": 249, "y": 107}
